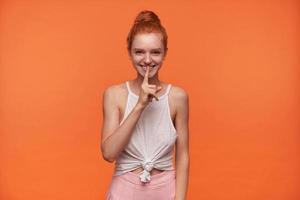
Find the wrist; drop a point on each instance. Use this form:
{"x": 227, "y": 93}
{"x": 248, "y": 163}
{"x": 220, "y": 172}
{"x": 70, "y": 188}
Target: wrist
{"x": 139, "y": 107}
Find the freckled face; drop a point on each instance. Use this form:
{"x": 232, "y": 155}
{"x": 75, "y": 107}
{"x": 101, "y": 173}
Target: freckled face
{"x": 147, "y": 49}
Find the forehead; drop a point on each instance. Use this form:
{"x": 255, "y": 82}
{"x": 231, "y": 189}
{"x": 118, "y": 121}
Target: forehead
{"x": 147, "y": 41}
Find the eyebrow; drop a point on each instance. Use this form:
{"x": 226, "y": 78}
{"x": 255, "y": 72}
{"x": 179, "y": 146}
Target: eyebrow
{"x": 143, "y": 49}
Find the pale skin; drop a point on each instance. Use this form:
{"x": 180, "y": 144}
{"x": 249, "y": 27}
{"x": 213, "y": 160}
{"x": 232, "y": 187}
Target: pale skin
{"x": 147, "y": 55}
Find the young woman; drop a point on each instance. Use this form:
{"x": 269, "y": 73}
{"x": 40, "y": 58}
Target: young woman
{"x": 143, "y": 119}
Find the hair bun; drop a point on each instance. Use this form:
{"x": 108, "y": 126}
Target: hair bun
{"x": 147, "y": 16}
{"x": 146, "y": 22}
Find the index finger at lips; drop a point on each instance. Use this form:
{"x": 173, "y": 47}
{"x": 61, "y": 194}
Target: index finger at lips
{"x": 146, "y": 75}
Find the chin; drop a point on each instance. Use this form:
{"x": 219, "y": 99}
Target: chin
{"x": 143, "y": 74}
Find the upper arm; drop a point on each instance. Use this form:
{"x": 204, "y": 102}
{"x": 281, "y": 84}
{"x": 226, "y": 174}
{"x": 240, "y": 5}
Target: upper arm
{"x": 110, "y": 113}
{"x": 181, "y": 123}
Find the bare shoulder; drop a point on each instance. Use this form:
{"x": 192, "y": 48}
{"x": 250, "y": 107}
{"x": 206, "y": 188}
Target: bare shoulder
{"x": 179, "y": 100}
{"x": 115, "y": 89}
{"x": 113, "y": 92}
{"x": 178, "y": 94}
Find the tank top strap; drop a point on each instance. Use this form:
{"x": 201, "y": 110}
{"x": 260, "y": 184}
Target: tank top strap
{"x": 127, "y": 86}
{"x": 168, "y": 89}
{"x": 129, "y": 90}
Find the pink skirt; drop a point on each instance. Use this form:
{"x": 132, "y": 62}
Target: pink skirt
{"x": 129, "y": 187}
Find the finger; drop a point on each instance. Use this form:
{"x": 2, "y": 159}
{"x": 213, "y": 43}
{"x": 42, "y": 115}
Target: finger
{"x": 152, "y": 86}
{"x": 146, "y": 75}
{"x": 155, "y": 87}
{"x": 154, "y": 96}
{"x": 151, "y": 91}
{"x": 159, "y": 88}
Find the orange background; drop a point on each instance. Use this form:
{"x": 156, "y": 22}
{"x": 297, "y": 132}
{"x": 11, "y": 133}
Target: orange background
{"x": 238, "y": 60}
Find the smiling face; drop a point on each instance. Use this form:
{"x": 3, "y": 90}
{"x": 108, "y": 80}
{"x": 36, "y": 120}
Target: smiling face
{"x": 147, "y": 49}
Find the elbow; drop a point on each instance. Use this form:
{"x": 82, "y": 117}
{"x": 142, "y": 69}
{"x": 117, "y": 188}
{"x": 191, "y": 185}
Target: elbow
{"x": 106, "y": 156}
{"x": 108, "y": 159}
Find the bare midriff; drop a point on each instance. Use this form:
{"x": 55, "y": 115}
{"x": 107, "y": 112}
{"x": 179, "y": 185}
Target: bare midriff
{"x": 152, "y": 172}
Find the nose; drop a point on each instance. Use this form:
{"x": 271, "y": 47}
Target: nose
{"x": 147, "y": 59}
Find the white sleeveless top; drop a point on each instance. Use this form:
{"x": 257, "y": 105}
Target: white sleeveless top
{"x": 152, "y": 141}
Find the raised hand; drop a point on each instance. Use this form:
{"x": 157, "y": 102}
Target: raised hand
{"x": 148, "y": 91}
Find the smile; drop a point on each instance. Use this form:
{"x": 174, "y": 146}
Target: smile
{"x": 151, "y": 66}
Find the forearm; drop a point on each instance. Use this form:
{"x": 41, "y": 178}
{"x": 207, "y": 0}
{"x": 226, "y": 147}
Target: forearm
{"x": 116, "y": 142}
{"x": 182, "y": 178}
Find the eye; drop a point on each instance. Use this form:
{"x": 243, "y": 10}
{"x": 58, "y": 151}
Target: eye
{"x": 138, "y": 52}
{"x": 156, "y": 52}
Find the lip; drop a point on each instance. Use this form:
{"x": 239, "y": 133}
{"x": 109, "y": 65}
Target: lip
{"x": 145, "y": 68}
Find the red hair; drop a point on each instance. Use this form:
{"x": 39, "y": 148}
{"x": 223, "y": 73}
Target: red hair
{"x": 147, "y": 22}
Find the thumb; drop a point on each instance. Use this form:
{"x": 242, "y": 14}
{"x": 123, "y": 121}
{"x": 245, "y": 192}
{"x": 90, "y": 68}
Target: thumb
{"x": 159, "y": 88}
